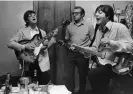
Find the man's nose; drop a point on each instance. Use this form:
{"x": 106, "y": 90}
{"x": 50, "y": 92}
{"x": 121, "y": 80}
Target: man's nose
{"x": 74, "y": 15}
{"x": 34, "y": 17}
{"x": 96, "y": 14}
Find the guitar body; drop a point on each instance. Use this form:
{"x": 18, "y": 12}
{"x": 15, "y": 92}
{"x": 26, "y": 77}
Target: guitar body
{"x": 28, "y": 55}
{"x": 108, "y": 57}
{"x": 124, "y": 63}
{"x": 121, "y": 62}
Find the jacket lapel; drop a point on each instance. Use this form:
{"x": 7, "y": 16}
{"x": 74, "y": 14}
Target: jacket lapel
{"x": 27, "y": 33}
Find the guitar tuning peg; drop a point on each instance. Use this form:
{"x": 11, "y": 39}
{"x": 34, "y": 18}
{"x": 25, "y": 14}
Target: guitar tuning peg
{"x": 65, "y": 23}
{"x": 59, "y": 43}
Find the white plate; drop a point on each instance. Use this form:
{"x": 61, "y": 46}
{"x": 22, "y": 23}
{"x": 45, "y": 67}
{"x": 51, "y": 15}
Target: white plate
{"x": 15, "y": 89}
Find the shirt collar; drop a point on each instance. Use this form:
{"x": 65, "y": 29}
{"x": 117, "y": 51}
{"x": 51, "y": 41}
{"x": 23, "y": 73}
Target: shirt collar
{"x": 80, "y": 23}
{"x": 109, "y": 25}
{"x": 36, "y": 29}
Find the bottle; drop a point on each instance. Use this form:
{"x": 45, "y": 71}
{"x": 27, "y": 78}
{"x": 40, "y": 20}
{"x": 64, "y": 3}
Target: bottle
{"x": 24, "y": 81}
{"x": 35, "y": 77}
{"x": 34, "y": 80}
{"x": 7, "y": 84}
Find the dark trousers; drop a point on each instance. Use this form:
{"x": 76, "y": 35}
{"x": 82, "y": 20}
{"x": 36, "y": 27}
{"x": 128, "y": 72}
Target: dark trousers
{"x": 42, "y": 77}
{"x": 76, "y": 59}
{"x": 99, "y": 79}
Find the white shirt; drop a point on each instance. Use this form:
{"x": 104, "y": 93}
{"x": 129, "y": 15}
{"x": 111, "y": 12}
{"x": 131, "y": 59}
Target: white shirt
{"x": 43, "y": 59}
{"x": 33, "y": 32}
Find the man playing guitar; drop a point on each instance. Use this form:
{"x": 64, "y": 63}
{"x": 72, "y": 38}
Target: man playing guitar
{"x": 42, "y": 63}
{"x": 111, "y": 37}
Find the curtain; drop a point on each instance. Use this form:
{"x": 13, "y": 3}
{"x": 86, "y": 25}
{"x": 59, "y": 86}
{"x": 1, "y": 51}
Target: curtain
{"x": 52, "y": 14}
{"x": 129, "y": 17}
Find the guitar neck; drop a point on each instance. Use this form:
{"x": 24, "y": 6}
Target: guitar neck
{"x": 66, "y": 44}
{"x": 89, "y": 51}
{"x": 48, "y": 36}
{"x": 80, "y": 49}
{"x": 83, "y": 50}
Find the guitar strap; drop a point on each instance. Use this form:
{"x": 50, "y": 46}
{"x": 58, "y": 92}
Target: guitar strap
{"x": 94, "y": 58}
{"x": 40, "y": 34}
{"x": 96, "y": 28}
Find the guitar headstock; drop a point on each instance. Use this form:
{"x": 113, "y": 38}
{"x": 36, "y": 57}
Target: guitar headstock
{"x": 60, "y": 42}
{"x": 65, "y": 23}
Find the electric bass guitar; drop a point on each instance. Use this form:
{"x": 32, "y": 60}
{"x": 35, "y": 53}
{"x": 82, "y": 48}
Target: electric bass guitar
{"x": 121, "y": 62}
{"x": 31, "y": 56}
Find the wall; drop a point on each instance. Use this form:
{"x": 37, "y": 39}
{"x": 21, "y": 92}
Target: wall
{"x": 11, "y": 19}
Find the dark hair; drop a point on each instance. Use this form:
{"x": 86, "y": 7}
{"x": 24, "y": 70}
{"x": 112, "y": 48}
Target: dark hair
{"x": 82, "y": 10}
{"x": 26, "y": 15}
{"x": 123, "y": 21}
{"x": 108, "y": 10}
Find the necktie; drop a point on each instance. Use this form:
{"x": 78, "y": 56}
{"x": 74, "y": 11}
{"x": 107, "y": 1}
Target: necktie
{"x": 104, "y": 31}
{"x": 101, "y": 46}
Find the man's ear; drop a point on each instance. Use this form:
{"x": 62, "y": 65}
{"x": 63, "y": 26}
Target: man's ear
{"x": 83, "y": 15}
{"x": 108, "y": 17}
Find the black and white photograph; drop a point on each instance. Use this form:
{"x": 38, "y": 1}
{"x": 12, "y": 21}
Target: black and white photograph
{"x": 66, "y": 47}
